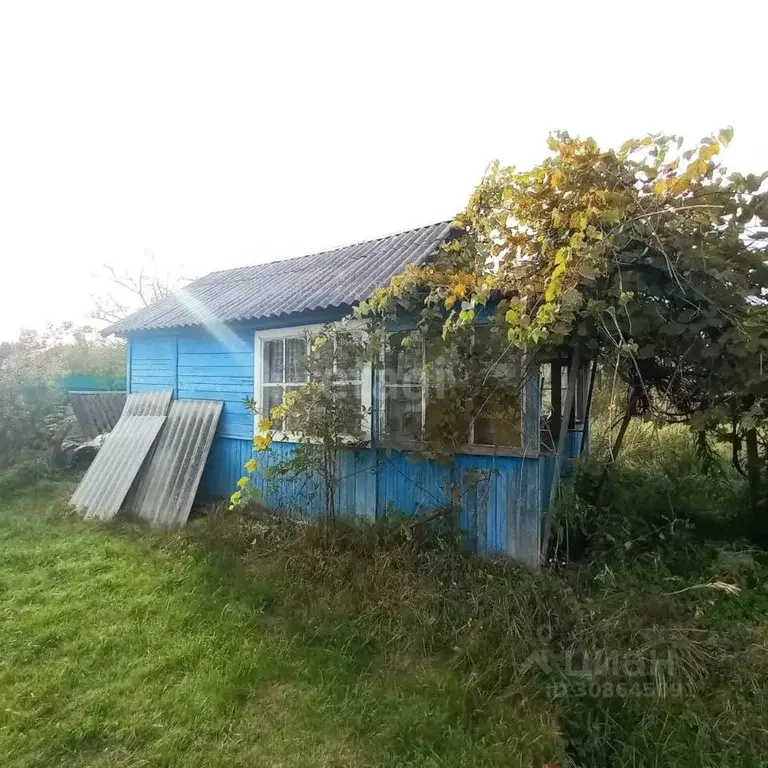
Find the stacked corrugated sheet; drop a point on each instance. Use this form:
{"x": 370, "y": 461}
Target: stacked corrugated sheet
{"x": 109, "y": 478}
{"x": 152, "y": 461}
{"x": 165, "y": 490}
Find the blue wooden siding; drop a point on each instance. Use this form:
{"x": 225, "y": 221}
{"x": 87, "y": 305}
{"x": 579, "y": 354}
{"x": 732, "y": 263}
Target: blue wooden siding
{"x": 199, "y": 365}
{"x": 153, "y": 362}
{"x": 212, "y": 367}
{"x": 499, "y": 497}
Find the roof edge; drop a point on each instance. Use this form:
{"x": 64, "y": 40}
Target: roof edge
{"x": 124, "y": 326}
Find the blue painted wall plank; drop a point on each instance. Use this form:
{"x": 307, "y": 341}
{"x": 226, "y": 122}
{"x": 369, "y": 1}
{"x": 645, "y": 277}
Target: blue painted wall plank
{"x": 152, "y": 363}
{"x": 128, "y": 363}
{"x": 500, "y": 496}
{"x": 206, "y": 360}
{"x": 240, "y": 374}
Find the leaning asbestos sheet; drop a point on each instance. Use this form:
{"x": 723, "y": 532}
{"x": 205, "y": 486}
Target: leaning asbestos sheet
{"x": 109, "y": 478}
{"x": 166, "y": 488}
{"x": 97, "y": 412}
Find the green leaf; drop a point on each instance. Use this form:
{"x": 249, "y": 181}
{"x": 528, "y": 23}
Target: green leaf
{"x": 726, "y": 135}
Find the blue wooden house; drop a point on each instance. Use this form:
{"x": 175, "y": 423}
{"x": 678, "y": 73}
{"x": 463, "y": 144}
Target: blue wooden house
{"x": 233, "y": 335}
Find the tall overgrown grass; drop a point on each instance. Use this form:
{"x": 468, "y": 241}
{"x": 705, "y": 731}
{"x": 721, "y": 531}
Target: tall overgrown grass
{"x": 661, "y": 495}
{"x": 650, "y": 651}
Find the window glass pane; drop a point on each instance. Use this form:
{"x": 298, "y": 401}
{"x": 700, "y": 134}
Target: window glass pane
{"x": 403, "y": 364}
{"x": 546, "y": 391}
{"x": 563, "y": 384}
{"x": 442, "y": 419}
{"x": 350, "y": 396}
{"x": 290, "y": 425}
{"x": 273, "y": 360}
{"x": 402, "y": 408}
{"x": 545, "y": 384}
{"x": 578, "y": 395}
{"x": 270, "y": 397}
{"x": 348, "y": 365}
{"x": 501, "y": 428}
{"x": 502, "y": 360}
{"x": 295, "y": 360}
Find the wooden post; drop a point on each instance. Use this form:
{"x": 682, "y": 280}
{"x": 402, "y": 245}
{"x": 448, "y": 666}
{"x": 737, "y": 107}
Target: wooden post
{"x": 556, "y": 398}
{"x": 588, "y": 410}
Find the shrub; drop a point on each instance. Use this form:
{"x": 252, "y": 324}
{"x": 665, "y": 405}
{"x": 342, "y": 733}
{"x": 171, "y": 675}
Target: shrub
{"x": 31, "y": 405}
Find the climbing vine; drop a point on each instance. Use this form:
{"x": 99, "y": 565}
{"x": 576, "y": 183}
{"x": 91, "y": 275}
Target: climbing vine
{"x": 650, "y": 254}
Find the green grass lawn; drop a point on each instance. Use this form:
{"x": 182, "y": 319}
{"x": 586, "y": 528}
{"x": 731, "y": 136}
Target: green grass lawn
{"x": 121, "y": 648}
{"x": 235, "y": 643}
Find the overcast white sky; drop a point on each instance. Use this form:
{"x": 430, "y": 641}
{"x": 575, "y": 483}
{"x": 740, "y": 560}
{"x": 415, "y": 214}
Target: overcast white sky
{"x": 220, "y": 134}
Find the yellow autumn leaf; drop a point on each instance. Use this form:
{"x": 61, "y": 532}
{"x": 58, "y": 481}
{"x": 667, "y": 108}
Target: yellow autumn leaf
{"x": 556, "y": 179}
{"x": 628, "y": 146}
{"x": 557, "y": 271}
{"x": 579, "y": 220}
{"x": 450, "y": 301}
{"x": 278, "y": 411}
{"x": 660, "y": 187}
{"x": 553, "y": 289}
{"x": 707, "y": 153}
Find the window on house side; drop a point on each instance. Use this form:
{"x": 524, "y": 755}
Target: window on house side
{"x": 281, "y": 368}
{"x": 499, "y": 421}
{"x": 403, "y": 388}
{"x": 546, "y": 391}
{"x": 410, "y": 399}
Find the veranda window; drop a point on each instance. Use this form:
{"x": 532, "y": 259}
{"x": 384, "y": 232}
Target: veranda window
{"x": 554, "y": 390}
{"x": 498, "y": 419}
{"x": 281, "y": 368}
{"x": 404, "y": 400}
{"x": 415, "y": 381}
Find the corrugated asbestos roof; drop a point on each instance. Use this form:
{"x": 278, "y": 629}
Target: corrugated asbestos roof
{"x": 328, "y": 279}
{"x": 166, "y": 488}
{"x": 106, "y": 483}
{"x": 96, "y": 412}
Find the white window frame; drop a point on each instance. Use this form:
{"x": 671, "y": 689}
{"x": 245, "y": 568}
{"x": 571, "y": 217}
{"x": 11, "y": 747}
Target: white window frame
{"x": 301, "y": 331}
{"x": 470, "y": 447}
